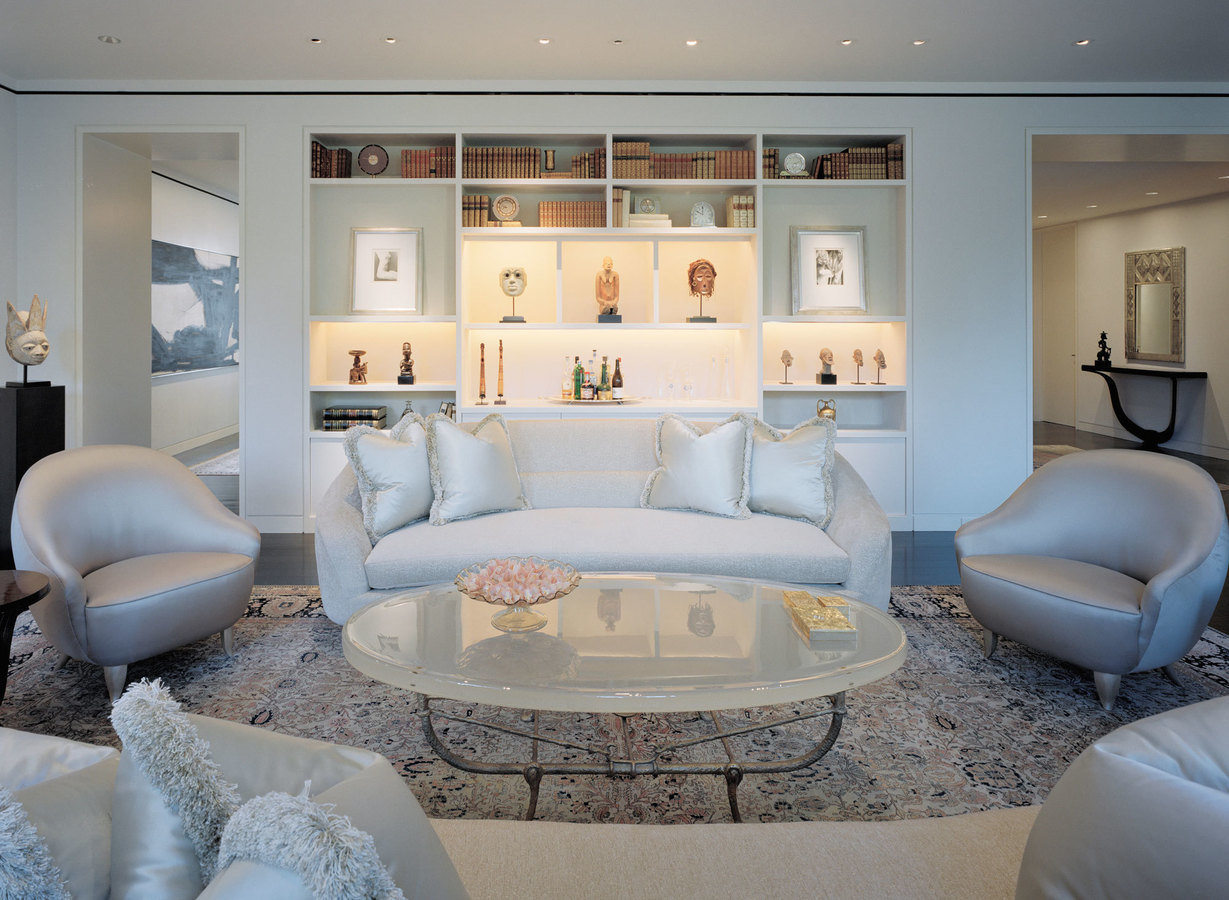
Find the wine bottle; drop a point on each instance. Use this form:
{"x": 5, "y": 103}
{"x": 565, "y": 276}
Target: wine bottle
{"x": 565, "y": 380}
{"x": 578, "y": 379}
{"x": 603, "y": 385}
{"x": 616, "y": 383}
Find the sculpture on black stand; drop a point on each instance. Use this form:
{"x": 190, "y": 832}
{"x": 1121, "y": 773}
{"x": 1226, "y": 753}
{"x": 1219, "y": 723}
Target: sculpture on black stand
{"x": 1103, "y": 354}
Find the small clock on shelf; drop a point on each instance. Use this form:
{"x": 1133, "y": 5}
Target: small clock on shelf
{"x": 373, "y": 159}
{"x": 702, "y": 215}
{"x": 505, "y": 207}
{"x": 648, "y": 205}
{"x": 795, "y": 165}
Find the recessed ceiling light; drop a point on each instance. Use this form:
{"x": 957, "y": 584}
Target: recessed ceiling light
{"x": 108, "y": 39}
{"x": 316, "y": 40}
{"x": 1151, "y": 193}
{"x": 1091, "y": 206}
{"x": 918, "y": 43}
{"x": 691, "y": 43}
{"x": 1043, "y": 217}
{"x": 1222, "y": 177}
{"x": 846, "y": 42}
{"x": 618, "y": 42}
{"x": 1082, "y": 42}
{"x": 390, "y": 40}
{"x": 543, "y": 41}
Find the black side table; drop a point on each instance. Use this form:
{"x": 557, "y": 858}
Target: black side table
{"x": 19, "y": 590}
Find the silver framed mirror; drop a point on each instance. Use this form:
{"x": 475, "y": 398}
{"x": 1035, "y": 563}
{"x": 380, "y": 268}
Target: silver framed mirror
{"x": 1155, "y": 285}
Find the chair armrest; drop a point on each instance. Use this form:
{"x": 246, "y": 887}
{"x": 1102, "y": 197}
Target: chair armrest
{"x": 860, "y": 527}
{"x": 342, "y": 546}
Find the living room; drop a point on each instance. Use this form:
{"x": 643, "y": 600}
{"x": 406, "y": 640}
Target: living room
{"x": 960, "y": 270}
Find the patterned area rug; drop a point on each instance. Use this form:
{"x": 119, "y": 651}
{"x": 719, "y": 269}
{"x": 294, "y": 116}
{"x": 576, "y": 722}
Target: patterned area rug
{"x": 1044, "y": 453}
{"x": 949, "y": 732}
{"x": 226, "y": 464}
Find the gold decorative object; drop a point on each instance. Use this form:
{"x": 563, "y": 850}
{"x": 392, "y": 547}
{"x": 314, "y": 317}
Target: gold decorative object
{"x": 822, "y": 618}
{"x": 826, "y": 409}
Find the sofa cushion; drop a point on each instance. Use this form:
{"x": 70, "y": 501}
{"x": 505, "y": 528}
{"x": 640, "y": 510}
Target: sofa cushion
{"x": 472, "y": 474}
{"x": 705, "y": 472}
{"x": 394, "y": 480}
{"x": 27, "y": 869}
{"x": 613, "y": 539}
{"x": 791, "y": 474}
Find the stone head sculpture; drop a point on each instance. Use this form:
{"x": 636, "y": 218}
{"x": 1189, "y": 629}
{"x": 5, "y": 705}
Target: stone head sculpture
{"x": 512, "y": 280}
{"x": 25, "y": 336}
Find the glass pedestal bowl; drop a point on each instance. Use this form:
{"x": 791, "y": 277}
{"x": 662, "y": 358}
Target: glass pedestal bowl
{"x": 518, "y": 583}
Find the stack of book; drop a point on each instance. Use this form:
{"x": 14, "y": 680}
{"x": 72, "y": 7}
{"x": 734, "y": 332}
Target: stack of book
{"x": 590, "y": 165}
{"x": 821, "y": 619}
{"x": 476, "y": 211}
{"x": 631, "y": 159}
{"x": 435, "y": 162}
{"x": 649, "y": 220}
{"x": 740, "y": 211}
{"x": 339, "y": 418}
{"x": 501, "y": 162}
{"x": 328, "y": 163}
{"x": 770, "y": 164}
{"x": 572, "y": 213}
{"x": 865, "y": 163}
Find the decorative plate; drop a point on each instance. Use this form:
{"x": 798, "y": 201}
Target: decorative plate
{"x": 373, "y": 159}
{"x": 702, "y": 214}
{"x": 795, "y": 163}
{"x": 505, "y": 207}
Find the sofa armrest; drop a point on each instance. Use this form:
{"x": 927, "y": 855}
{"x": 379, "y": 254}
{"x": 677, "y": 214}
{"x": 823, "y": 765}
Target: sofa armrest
{"x": 860, "y": 527}
{"x": 342, "y": 545}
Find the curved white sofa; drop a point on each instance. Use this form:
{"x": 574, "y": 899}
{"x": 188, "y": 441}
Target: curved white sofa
{"x": 583, "y": 479}
{"x": 1141, "y": 813}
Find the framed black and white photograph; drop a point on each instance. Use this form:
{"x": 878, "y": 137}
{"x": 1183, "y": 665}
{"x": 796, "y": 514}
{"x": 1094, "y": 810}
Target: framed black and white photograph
{"x": 828, "y": 267}
{"x": 386, "y": 270}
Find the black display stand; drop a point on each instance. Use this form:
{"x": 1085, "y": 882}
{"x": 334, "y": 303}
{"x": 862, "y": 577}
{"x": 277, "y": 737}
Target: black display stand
{"x": 31, "y": 427}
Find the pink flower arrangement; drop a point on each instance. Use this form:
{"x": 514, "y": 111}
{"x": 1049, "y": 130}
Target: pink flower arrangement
{"x": 517, "y": 580}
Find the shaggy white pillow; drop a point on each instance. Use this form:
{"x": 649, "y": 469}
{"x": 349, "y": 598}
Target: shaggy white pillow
{"x": 472, "y": 474}
{"x": 791, "y": 474}
{"x": 331, "y": 857}
{"x": 394, "y": 480}
{"x": 702, "y": 472}
{"x": 26, "y": 868}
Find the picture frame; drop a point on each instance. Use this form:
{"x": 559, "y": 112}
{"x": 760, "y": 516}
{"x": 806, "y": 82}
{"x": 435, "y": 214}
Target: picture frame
{"x": 386, "y": 271}
{"x": 828, "y": 269}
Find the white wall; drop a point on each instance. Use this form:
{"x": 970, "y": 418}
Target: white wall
{"x": 9, "y": 370}
{"x": 193, "y": 408}
{"x": 115, "y": 312}
{"x": 970, "y": 360}
{"x": 1202, "y": 227}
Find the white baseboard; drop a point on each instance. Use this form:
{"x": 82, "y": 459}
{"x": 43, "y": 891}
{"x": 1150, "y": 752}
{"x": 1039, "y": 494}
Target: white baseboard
{"x": 277, "y": 524}
{"x": 200, "y": 440}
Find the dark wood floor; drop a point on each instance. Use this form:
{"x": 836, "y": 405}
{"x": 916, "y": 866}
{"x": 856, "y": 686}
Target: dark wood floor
{"x": 918, "y": 557}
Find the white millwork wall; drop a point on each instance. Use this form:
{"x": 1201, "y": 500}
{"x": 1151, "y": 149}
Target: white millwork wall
{"x": 970, "y": 366}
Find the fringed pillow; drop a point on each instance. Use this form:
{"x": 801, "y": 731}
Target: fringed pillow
{"x": 26, "y": 868}
{"x": 472, "y": 473}
{"x": 394, "y": 480}
{"x": 706, "y": 472}
{"x": 791, "y": 474}
{"x": 329, "y": 855}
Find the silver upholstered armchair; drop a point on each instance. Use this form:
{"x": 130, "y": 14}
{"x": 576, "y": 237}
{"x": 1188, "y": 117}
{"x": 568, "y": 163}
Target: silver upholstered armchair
{"x": 1112, "y": 560}
{"x": 142, "y": 557}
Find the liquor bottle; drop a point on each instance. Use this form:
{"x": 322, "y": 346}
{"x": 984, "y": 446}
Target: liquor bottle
{"x": 565, "y": 381}
{"x": 591, "y": 369}
{"x": 616, "y": 383}
{"x": 587, "y": 389}
{"x": 603, "y": 385}
{"x": 578, "y": 379}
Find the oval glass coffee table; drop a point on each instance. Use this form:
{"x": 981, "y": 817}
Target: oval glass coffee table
{"x": 624, "y": 644}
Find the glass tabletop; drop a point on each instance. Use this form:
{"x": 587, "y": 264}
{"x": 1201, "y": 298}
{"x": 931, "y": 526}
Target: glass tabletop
{"x": 621, "y": 643}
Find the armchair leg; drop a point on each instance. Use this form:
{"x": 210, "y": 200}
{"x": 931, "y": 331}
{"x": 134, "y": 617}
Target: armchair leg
{"x": 989, "y": 642}
{"x": 62, "y": 660}
{"x": 1171, "y": 672}
{"x": 228, "y": 640}
{"x": 115, "y": 676}
{"x": 1107, "y": 688}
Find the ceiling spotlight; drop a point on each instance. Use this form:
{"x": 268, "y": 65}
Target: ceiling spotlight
{"x": 543, "y": 41}
{"x": 691, "y": 43}
{"x": 618, "y": 42}
{"x": 918, "y": 43}
{"x": 1222, "y": 177}
{"x": 316, "y": 40}
{"x": 390, "y": 40}
{"x": 1091, "y": 206}
{"x": 1043, "y": 217}
{"x": 1083, "y": 42}
{"x": 108, "y": 39}
{"x": 846, "y": 42}
{"x": 1151, "y": 193}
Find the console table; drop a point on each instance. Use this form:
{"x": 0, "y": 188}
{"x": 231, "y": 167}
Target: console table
{"x": 1152, "y": 439}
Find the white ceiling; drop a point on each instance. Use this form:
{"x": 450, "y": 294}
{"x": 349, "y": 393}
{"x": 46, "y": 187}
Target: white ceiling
{"x": 744, "y": 45}
{"x": 53, "y": 43}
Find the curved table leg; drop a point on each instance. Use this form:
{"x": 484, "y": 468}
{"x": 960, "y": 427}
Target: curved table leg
{"x": 1152, "y": 439}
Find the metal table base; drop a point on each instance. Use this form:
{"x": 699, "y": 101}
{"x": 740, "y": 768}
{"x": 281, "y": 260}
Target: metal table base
{"x": 618, "y": 760}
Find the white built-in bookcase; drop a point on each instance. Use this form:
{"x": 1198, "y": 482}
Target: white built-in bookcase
{"x": 701, "y": 371}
